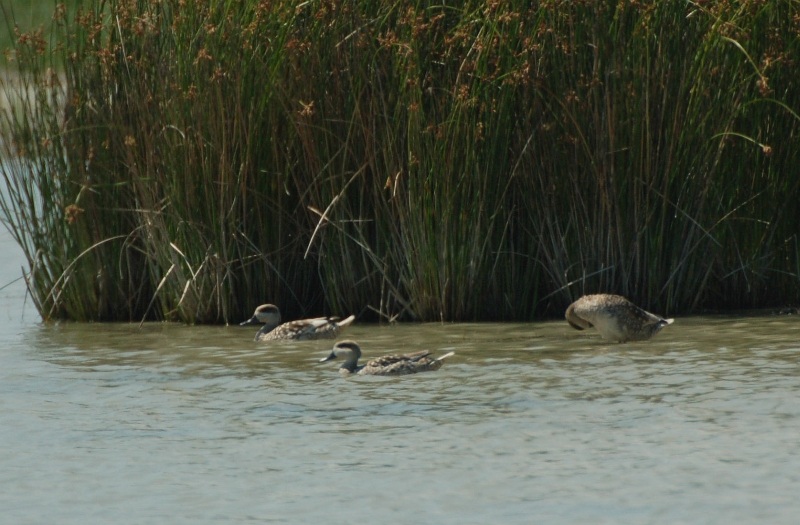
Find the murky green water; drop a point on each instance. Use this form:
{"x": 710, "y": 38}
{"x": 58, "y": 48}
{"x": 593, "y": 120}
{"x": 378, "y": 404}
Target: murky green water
{"x": 528, "y": 423}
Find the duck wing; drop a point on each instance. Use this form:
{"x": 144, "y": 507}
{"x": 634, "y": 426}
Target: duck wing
{"x": 390, "y": 360}
{"x": 395, "y": 365}
{"x": 316, "y": 328}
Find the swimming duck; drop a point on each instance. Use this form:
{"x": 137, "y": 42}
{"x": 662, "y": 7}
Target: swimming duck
{"x": 615, "y": 317}
{"x": 302, "y": 329}
{"x": 388, "y": 365}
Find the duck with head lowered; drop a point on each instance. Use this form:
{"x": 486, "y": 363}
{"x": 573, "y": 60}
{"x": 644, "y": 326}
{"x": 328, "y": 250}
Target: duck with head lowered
{"x": 303, "y": 329}
{"x": 615, "y": 317}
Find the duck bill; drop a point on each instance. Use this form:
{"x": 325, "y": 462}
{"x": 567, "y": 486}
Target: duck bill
{"x": 252, "y": 320}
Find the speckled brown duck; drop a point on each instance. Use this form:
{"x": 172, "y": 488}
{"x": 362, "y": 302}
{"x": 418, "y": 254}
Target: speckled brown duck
{"x": 615, "y": 317}
{"x": 388, "y": 365}
{"x": 303, "y": 329}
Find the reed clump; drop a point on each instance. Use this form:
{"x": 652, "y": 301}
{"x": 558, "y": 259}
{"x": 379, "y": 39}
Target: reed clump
{"x": 490, "y": 160}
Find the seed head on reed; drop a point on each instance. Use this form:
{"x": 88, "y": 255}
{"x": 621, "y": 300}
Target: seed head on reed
{"x": 485, "y": 161}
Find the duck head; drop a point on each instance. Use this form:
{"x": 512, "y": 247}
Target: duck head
{"x": 266, "y": 314}
{"x": 349, "y": 351}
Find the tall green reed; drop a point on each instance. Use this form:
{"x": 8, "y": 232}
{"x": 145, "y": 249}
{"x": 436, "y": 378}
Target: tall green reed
{"x": 653, "y": 197}
{"x": 405, "y": 160}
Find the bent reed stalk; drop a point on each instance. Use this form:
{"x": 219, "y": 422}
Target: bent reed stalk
{"x": 183, "y": 160}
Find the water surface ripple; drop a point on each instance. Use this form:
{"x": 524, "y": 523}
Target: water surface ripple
{"x": 527, "y": 423}
{"x": 111, "y": 423}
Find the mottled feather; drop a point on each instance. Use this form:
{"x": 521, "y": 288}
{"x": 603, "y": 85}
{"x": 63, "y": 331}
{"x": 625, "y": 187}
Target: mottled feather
{"x": 615, "y": 317}
{"x": 303, "y": 329}
{"x": 388, "y": 365}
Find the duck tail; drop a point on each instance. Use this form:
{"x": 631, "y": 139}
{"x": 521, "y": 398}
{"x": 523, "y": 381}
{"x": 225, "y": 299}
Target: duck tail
{"x": 445, "y": 356}
{"x": 665, "y": 322}
{"x": 345, "y": 322}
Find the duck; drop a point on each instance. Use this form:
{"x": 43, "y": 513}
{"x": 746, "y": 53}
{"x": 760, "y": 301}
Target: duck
{"x": 388, "y": 365}
{"x": 615, "y": 317}
{"x": 303, "y": 329}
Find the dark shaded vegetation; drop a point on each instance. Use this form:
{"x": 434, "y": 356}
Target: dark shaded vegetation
{"x": 480, "y": 160}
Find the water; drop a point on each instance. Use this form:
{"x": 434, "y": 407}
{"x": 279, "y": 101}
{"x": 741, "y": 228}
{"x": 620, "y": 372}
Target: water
{"x": 527, "y": 423}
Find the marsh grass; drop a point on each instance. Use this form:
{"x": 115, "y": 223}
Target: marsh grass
{"x": 404, "y": 160}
